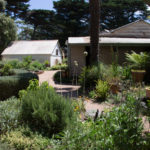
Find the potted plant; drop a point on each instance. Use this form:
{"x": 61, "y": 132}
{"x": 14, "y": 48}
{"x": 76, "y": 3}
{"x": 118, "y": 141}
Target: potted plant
{"x": 138, "y": 63}
{"x": 147, "y": 92}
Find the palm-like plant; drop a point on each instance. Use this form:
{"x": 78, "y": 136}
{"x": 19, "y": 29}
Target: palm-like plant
{"x": 138, "y": 61}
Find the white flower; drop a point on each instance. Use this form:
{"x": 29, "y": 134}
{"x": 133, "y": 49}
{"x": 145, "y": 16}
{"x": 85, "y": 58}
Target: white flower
{"x": 76, "y": 63}
{"x": 85, "y": 53}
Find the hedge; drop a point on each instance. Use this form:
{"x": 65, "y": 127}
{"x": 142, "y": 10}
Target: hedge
{"x": 10, "y": 85}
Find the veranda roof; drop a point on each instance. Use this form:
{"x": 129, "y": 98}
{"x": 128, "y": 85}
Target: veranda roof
{"x": 109, "y": 41}
{"x": 31, "y": 47}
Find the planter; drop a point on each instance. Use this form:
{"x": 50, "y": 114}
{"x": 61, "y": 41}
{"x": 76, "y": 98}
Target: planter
{"x": 114, "y": 88}
{"x": 138, "y": 75}
{"x": 148, "y": 92}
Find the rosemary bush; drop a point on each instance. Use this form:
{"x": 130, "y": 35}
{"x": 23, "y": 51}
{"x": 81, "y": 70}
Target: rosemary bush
{"x": 46, "y": 111}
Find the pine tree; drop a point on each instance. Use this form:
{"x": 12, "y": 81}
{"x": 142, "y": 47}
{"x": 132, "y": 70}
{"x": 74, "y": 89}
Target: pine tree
{"x": 116, "y": 13}
{"x": 71, "y": 18}
{"x": 17, "y": 8}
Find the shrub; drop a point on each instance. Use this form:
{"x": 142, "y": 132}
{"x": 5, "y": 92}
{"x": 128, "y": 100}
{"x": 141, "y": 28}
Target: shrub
{"x": 16, "y": 64}
{"x": 102, "y": 89}
{"x": 9, "y": 114}
{"x": 88, "y": 77}
{"x": 10, "y": 85}
{"x": 27, "y": 61}
{"x": 24, "y": 138}
{"x": 6, "y": 70}
{"x": 118, "y": 129}
{"x": 35, "y": 66}
{"x": 46, "y": 63}
{"x": 58, "y": 67}
{"x": 92, "y": 94}
{"x": 46, "y": 111}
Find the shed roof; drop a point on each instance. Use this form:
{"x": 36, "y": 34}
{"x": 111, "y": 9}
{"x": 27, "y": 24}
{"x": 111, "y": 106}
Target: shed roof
{"x": 108, "y": 40}
{"x": 31, "y": 47}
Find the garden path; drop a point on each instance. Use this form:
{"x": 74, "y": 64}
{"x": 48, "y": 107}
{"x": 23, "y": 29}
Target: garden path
{"x": 71, "y": 91}
{"x": 65, "y": 90}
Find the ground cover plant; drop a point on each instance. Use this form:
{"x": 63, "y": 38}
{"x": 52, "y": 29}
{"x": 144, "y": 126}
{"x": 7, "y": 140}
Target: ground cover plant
{"x": 23, "y": 138}
{"x": 9, "y": 114}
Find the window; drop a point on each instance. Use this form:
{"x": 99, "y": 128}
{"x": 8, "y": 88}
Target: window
{"x": 57, "y": 52}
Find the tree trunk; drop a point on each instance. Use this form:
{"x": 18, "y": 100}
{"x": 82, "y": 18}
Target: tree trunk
{"x": 94, "y": 30}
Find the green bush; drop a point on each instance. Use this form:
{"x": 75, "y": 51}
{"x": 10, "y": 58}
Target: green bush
{"x": 10, "y": 85}
{"x": 36, "y": 65}
{"x": 46, "y": 111}
{"x": 23, "y": 138}
{"x": 26, "y": 62}
{"x": 118, "y": 129}
{"x": 9, "y": 114}
{"x": 46, "y": 63}
{"x": 6, "y": 70}
{"x": 58, "y": 67}
{"x": 101, "y": 90}
{"x": 15, "y": 63}
{"x": 89, "y": 76}
{"x": 92, "y": 94}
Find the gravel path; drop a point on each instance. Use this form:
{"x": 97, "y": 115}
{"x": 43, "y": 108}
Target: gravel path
{"x": 72, "y": 91}
{"x": 65, "y": 90}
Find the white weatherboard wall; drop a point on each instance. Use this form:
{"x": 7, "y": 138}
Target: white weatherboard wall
{"x": 43, "y": 50}
{"x": 41, "y": 58}
{"x": 54, "y": 58}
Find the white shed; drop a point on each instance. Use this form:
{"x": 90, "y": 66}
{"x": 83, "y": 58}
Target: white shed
{"x": 40, "y": 50}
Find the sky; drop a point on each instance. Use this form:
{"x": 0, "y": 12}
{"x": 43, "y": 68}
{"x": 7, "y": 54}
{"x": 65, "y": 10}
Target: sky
{"x": 41, "y": 4}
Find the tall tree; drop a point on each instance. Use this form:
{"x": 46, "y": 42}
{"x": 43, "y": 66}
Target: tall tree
{"x": 42, "y": 22}
{"x": 116, "y": 13}
{"x": 94, "y": 30}
{"x": 147, "y": 2}
{"x": 2, "y": 5}
{"x": 71, "y": 18}
{"x": 17, "y": 8}
{"x": 7, "y": 31}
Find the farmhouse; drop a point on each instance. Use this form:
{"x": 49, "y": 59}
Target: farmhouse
{"x": 39, "y": 50}
{"x": 134, "y": 36}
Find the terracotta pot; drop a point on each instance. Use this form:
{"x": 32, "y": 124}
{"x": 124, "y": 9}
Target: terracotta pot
{"x": 148, "y": 92}
{"x": 138, "y": 75}
{"x": 114, "y": 88}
